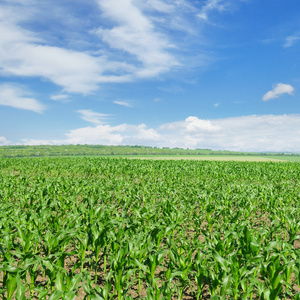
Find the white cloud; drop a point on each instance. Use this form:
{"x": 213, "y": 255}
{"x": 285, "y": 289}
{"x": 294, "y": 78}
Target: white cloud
{"x": 122, "y": 103}
{"x": 212, "y": 5}
{"x": 143, "y": 47}
{"x": 291, "y": 40}
{"x": 123, "y": 134}
{"x": 60, "y": 97}
{"x": 74, "y": 71}
{"x": 13, "y": 96}
{"x": 23, "y": 53}
{"x": 101, "y": 134}
{"x": 160, "y": 6}
{"x": 135, "y": 34}
{"x": 259, "y": 133}
{"x": 189, "y": 133}
{"x": 137, "y": 44}
{"x": 92, "y": 116}
{"x": 141, "y": 134}
{"x": 278, "y": 90}
{"x": 33, "y": 142}
{"x": 247, "y": 133}
{"x": 4, "y": 141}
{"x": 113, "y": 135}
{"x": 192, "y": 124}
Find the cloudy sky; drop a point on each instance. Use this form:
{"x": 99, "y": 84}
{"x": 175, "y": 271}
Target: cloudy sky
{"x": 219, "y": 74}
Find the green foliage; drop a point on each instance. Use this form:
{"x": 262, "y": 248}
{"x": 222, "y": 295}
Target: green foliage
{"x": 133, "y": 151}
{"x": 109, "y": 228}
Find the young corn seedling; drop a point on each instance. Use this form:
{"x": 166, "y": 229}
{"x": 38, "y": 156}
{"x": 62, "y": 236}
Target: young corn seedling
{"x": 66, "y": 285}
{"x": 11, "y": 285}
{"x": 27, "y": 239}
{"x": 149, "y": 267}
{"x": 138, "y": 252}
{"x": 182, "y": 263}
{"x": 82, "y": 248}
{"x": 32, "y": 265}
{"x": 49, "y": 272}
{"x": 201, "y": 269}
{"x": 122, "y": 270}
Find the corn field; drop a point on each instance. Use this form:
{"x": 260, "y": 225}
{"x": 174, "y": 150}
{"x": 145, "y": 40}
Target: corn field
{"x": 109, "y": 228}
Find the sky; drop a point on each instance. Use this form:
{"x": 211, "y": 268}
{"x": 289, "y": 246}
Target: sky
{"x": 216, "y": 74}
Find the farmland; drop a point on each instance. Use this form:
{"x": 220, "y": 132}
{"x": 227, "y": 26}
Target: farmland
{"x": 116, "y": 228}
{"x": 141, "y": 152}
{"x": 212, "y": 157}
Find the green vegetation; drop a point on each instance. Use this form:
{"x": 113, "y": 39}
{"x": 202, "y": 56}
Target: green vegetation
{"x": 110, "y": 228}
{"x": 208, "y": 157}
{"x": 295, "y": 157}
{"x": 101, "y": 150}
{"x": 70, "y": 150}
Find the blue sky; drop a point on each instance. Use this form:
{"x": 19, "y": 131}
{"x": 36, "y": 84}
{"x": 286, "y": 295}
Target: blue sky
{"x": 219, "y": 74}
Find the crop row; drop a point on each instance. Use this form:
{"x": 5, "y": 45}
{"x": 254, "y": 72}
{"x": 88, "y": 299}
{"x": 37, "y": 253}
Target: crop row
{"x": 101, "y": 228}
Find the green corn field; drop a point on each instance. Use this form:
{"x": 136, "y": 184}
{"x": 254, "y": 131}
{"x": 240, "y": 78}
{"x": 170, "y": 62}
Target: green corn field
{"x": 113, "y": 228}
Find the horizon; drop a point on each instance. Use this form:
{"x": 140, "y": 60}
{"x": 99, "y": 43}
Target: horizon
{"x": 143, "y": 147}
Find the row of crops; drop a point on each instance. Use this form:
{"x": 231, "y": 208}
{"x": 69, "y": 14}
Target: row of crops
{"x": 104, "y": 228}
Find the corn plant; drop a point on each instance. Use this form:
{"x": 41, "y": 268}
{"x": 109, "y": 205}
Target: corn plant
{"x": 114, "y": 228}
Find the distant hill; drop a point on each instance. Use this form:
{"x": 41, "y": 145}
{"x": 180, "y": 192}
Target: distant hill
{"x": 91, "y": 150}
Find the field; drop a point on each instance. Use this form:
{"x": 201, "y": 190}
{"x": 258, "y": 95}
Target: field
{"x": 294, "y": 158}
{"x": 116, "y": 228}
{"x": 141, "y": 152}
{"x": 210, "y": 157}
